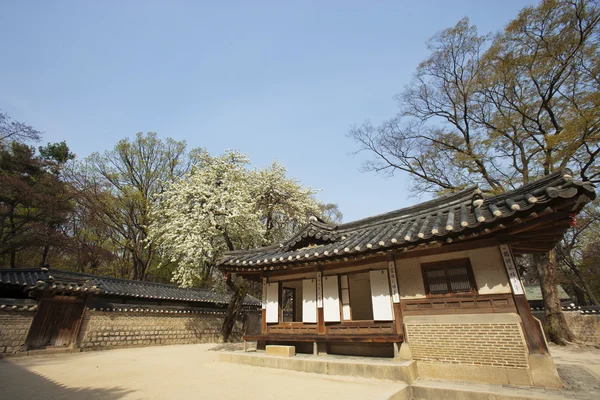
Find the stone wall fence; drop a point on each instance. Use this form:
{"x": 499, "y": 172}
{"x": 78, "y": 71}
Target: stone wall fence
{"x": 128, "y": 327}
{"x": 583, "y": 321}
{"x": 15, "y": 319}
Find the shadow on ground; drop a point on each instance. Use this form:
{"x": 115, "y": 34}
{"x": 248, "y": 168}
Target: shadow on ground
{"x": 17, "y": 382}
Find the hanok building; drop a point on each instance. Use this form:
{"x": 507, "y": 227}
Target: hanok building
{"x": 435, "y": 283}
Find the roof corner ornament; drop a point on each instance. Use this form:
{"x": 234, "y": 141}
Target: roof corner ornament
{"x": 572, "y": 220}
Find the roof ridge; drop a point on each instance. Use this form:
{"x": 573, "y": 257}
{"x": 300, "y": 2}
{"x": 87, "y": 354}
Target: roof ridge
{"x": 128, "y": 281}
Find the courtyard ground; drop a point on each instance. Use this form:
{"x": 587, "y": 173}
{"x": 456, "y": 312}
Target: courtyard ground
{"x": 169, "y": 372}
{"x": 193, "y": 371}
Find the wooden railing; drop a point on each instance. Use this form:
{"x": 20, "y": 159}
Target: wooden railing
{"x": 360, "y": 328}
{"x": 292, "y": 328}
{"x": 468, "y": 304}
{"x": 342, "y": 328}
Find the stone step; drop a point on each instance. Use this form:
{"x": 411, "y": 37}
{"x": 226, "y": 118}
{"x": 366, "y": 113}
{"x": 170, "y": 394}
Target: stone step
{"x": 405, "y": 371}
{"x": 426, "y": 389}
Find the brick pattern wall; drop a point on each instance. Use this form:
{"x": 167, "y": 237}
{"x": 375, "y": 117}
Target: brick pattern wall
{"x": 110, "y": 329}
{"x": 493, "y": 344}
{"x": 14, "y": 326}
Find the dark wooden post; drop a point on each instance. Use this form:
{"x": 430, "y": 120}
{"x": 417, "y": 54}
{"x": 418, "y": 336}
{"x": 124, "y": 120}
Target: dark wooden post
{"x": 398, "y": 321}
{"x": 534, "y": 336}
{"x": 320, "y": 313}
{"x": 263, "y": 326}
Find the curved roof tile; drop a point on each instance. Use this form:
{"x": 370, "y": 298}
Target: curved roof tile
{"x": 444, "y": 218}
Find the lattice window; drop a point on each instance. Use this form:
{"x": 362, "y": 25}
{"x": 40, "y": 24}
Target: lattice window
{"x": 448, "y": 277}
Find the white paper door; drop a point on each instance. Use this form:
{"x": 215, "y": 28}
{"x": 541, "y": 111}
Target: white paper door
{"x": 273, "y": 302}
{"x": 331, "y": 299}
{"x": 309, "y": 300}
{"x": 380, "y": 296}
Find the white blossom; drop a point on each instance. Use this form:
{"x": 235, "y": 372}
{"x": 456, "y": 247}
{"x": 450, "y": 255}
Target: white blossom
{"x": 221, "y": 199}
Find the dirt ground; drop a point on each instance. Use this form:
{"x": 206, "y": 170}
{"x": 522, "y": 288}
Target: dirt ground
{"x": 194, "y": 372}
{"x": 169, "y": 372}
{"x": 587, "y": 357}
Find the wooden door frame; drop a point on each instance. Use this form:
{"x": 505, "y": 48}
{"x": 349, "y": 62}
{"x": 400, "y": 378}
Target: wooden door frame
{"x": 49, "y": 300}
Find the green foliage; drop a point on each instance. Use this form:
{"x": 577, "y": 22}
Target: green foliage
{"x": 33, "y": 204}
{"x": 56, "y": 155}
{"x": 117, "y": 190}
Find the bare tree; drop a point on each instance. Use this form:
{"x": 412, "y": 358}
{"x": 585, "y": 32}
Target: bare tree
{"x": 16, "y": 131}
{"x": 499, "y": 112}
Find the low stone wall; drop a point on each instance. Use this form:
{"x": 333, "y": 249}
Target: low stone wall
{"x": 479, "y": 339}
{"x": 14, "y": 326}
{"x": 585, "y": 327}
{"x": 111, "y": 329}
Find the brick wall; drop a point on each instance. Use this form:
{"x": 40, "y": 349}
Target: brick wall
{"x": 110, "y": 329}
{"x": 494, "y": 340}
{"x": 14, "y": 326}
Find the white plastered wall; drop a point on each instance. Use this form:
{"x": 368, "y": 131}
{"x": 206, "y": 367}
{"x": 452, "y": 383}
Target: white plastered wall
{"x": 488, "y": 269}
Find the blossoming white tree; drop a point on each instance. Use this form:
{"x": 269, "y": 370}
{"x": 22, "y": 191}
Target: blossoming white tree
{"x": 222, "y": 204}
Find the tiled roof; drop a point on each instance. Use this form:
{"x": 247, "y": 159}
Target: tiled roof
{"x": 18, "y": 305}
{"x": 533, "y": 292}
{"x": 22, "y": 277}
{"x": 70, "y": 282}
{"x": 451, "y": 218}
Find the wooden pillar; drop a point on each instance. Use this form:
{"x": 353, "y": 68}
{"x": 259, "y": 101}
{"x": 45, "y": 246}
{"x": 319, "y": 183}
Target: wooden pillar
{"x": 263, "y": 326}
{"x": 534, "y": 336}
{"x": 320, "y": 313}
{"x": 398, "y": 322}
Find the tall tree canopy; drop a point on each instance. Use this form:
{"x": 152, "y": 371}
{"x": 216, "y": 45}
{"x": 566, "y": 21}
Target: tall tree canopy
{"x": 34, "y": 203}
{"x": 117, "y": 190}
{"x": 223, "y": 205}
{"x": 499, "y": 111}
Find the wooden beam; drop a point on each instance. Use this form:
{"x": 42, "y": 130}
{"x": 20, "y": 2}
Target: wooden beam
{"x": 531, "y": 329}
{"x": 398, "y": 320}
{"x": 448, "y": 248}
{"x": 371, "y": 338}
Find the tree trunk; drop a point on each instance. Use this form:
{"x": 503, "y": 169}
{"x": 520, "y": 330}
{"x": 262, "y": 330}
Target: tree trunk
{"x": 44, "y": 255}
{"x": 580, "y": 296}
{"x": 235, "y": 305}
{"x": 586, "y": 286}
{"x": 13, "y": 259}
{"x": 557, "y": 330}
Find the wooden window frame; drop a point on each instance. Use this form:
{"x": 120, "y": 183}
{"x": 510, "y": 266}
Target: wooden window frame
{"x": 458, "y": 262}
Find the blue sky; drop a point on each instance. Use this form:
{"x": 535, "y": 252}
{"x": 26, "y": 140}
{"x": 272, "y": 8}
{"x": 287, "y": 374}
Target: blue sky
{"x": 280, "y": 80}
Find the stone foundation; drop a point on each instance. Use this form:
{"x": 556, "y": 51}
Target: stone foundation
{"x": 477, "y": 348}
{"x": 112, "y": 329}
{"x": 494, "y": 340}
{"x": 14, "y": 326}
